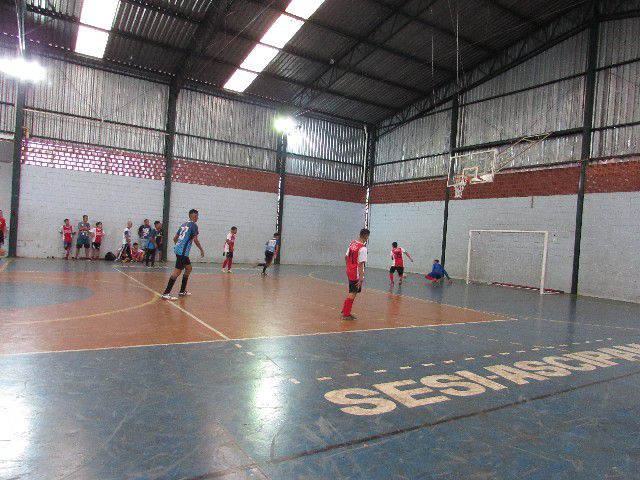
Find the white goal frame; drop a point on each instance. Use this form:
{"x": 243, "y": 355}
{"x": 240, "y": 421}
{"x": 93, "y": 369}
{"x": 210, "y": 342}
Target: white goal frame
{"x": 545, "y": 247}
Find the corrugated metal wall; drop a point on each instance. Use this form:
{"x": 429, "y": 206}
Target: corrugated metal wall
{"x": 417, "y": 149}
{"x": 618, "y": 90}
{"x": 219, "y": 130}
{"x": 326, "y": 150}
{"x": 92, "y": 106}
{"x": 7, "y": 99}
{"x": 529, "y": 100}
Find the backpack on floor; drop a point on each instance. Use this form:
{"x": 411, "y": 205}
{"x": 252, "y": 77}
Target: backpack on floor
{"x": 109, "y": 257}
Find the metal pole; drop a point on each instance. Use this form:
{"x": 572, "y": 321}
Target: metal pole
{"x": 281, "y": 163}
{"x": 589, "y": 98}
{"x": 453, "y": 138}
{"x": 168, "y": 158}
{"x": 544, "y": 262}
{"x": 369, "y": 171}
{"x": 16, "y": 170}
{"x": 469, "y": 255}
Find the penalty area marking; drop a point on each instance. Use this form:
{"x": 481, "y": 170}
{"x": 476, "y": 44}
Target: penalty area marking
{"x": 204, "y": 324}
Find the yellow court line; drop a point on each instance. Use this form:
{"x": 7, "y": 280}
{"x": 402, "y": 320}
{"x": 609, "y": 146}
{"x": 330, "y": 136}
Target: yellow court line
{"x": 4, "y": 266}
{"x": 81, "y": 317}
{"x": 204, "y": 324}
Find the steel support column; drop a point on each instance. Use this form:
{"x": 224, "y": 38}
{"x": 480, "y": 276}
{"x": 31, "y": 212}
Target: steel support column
{"x": 16, "y": 170}
{"x": 587, "y": 130}
{"x": 281, "y": 165}
{"x": 369, "y": 170}
{"x": 168, "y": 159}
{"x": 453, "y": 140}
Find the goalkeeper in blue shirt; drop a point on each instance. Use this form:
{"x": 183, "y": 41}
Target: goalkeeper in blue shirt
{"x": 437, "y": 273}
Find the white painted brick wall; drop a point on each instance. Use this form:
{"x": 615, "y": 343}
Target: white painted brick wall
{"x": 318, "y": 231}
{"x": 610, "y": 249}
{"x": 555, "y": 214}
{"x": 49, "y": 195}
{"x": 254, "y": 213}
{"x": 416, "y": 226}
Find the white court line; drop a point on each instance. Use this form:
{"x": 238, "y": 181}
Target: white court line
{"x": 380, "y": 371}
{"x": 204, "y": 324}
{"x": 4, "y": 266}
{"x": 294, "y": 381}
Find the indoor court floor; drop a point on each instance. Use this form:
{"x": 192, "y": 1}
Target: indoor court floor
{"x": 256, "y": 377}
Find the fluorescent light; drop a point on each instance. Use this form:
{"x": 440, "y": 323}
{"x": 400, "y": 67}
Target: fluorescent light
{"x": 99, "y": 14}
{"x": 283, "y": 30}
{"x": 240, "y": 80}
{"x": 259, "y": 58}
{"x": 278, "y": 35}
{"x": 18, "y": 67}
{"x": 303, "y": 8}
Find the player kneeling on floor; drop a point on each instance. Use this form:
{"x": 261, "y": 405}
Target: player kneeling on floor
{"x": 186, "y": 235}
{"x": 355, "y": 258}
{"x": 437, "y": 273}
{"x": 397, "y": 262}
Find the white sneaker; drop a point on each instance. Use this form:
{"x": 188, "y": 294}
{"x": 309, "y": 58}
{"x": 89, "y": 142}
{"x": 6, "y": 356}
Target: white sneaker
{"x": 224, "y": 271}
{"x": 166, "y": 296}
{"x": 184, "y": 294}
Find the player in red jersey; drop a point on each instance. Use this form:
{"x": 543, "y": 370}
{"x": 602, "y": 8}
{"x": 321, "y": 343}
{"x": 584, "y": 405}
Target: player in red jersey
{"x": 3, "y": 229}
{"x": 355, "y": 258}
{"x": 67, "y": 236}
{"x": 229, "y": 246}
{"x": 397, "y": 262}
{"x": 97, "y": 234}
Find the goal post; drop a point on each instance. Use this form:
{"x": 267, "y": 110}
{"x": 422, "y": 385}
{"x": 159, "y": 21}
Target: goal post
{"x": 528, "y": 246}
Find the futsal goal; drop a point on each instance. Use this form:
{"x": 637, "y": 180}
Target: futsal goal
{"x": 510, "y": 258}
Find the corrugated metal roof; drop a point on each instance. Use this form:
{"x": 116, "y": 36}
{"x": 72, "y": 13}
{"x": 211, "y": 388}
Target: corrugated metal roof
{"x": 361, "y": 53}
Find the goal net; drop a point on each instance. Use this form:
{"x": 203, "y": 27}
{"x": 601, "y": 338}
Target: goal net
{"x": 514, "y": 258}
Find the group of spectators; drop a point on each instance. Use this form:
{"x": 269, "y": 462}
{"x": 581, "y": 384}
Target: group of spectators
{"x": 90, "y": 239}
{"x": 149, "y": 243}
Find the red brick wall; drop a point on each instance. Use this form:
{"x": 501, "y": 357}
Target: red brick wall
{"x": 614, "y": 176}
{"x": 325, "y": 189}
{"x": 424, "y": 191}
{"x": 203, "y": 173}
{"x": 602, "y": 177}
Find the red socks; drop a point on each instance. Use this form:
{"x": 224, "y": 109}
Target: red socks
{"x": 229, "y": 262}
{"x": 391, "y": 277}
{"x": 346, "y": 308}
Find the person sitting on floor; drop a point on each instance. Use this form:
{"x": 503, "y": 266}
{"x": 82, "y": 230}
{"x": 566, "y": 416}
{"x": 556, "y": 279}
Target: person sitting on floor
{"x": 437, "y": 273}
{"x": 137, "y": 254}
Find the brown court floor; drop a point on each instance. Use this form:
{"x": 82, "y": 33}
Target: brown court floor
{"x": 124, "y": 310}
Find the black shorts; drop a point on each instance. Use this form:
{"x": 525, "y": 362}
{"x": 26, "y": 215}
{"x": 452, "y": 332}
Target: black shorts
{"x": 400, "y": 270}
{"x": 96, "y": 245}
{"x": 353, "y": 287}
{"x": 1, "y": 238}
{"x": 229, "y": 254}
{"x": 268, "y": 256}
{"x": 182, "y": 261}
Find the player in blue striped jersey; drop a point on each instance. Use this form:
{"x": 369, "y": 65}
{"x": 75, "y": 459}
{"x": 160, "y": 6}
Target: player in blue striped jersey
{"x": 186, "y": 235}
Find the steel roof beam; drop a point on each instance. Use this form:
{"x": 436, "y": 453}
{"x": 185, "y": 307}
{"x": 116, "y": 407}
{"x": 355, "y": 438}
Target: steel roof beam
{"x": 201, "y": 39}
{"x": 523, "y": 18}
{"x": 286, "y": 49}
{"x": 394, "y": 51}
{"x": 470, "y": 43}
{"x": 184, "y": 52}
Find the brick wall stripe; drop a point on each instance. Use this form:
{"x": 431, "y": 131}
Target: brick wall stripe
{"x": 602, "y": 177}
{"x": 204, "y": 173}
{"x": 324, "y": 189}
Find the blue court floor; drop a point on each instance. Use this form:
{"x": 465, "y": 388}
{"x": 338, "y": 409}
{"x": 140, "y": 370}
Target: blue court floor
{"x": 550, "y": 392}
